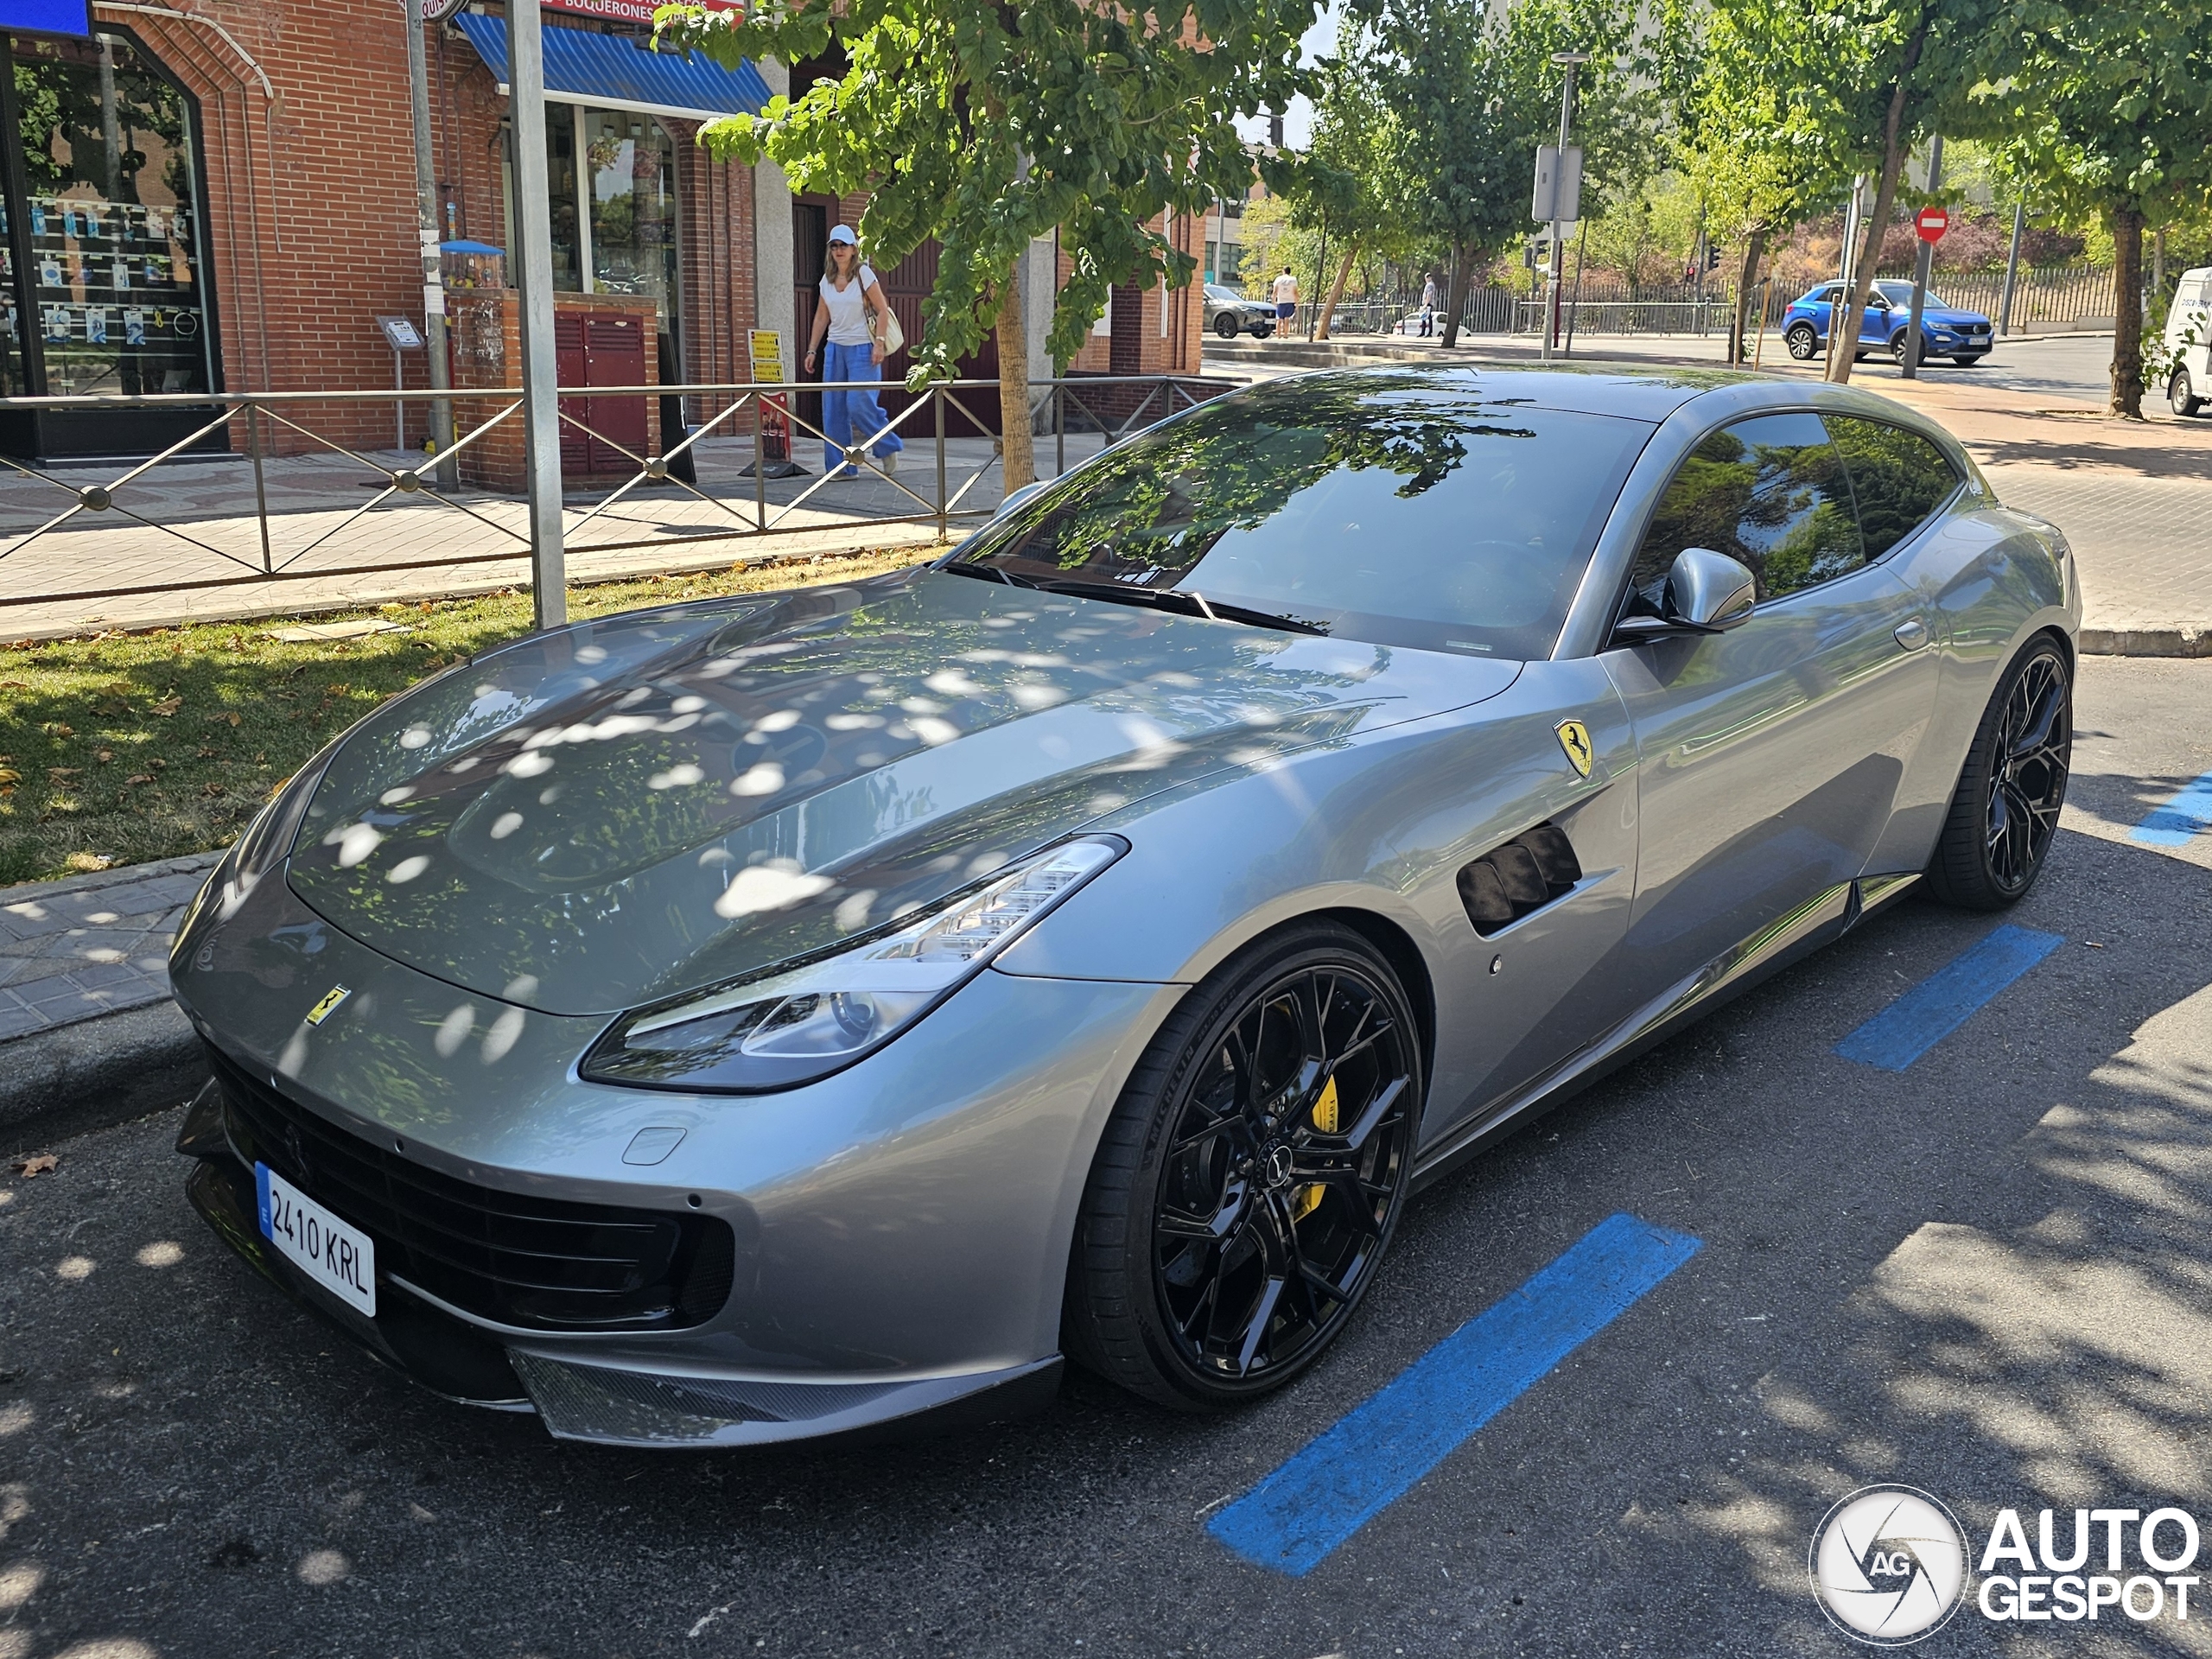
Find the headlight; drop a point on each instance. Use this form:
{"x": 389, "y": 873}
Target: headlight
{"x": 805, "y": 1021}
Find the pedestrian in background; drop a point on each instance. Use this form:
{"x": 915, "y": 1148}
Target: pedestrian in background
{"x": 1285, "y": 292}
{"x": 849, "y": 293}
{"x": 1429, "y": 306}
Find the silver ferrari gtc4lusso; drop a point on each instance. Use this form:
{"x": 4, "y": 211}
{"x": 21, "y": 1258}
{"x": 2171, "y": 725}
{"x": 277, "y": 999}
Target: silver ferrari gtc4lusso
{"x": 793, "y": 1013}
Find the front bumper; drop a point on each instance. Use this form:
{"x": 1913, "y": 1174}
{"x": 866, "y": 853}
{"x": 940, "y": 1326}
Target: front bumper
{"x": 900, "y": 1230}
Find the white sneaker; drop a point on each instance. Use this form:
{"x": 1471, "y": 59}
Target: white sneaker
{"x": 890, "y": 462}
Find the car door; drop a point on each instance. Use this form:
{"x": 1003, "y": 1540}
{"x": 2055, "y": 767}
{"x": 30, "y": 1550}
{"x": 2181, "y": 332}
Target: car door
{"x": 1769, "y": 757}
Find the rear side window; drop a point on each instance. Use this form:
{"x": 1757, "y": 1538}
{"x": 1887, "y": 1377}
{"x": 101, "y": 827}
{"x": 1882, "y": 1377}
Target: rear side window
{"x": 1899, "y": 477}
{"x": 1770, "y": 492}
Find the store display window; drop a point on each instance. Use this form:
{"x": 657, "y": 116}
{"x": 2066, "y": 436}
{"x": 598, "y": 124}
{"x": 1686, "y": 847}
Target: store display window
{"x": 611, "y": 177}
{"x": 105, "y": 212}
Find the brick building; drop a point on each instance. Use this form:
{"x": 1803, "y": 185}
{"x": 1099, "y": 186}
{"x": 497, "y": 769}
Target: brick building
{"x": 219, "y": 196}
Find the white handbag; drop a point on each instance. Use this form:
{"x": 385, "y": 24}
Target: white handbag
{"x": 883, "y": 326}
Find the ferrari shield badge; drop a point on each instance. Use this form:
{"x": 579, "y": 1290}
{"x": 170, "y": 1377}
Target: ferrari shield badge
{"x": 1574, "y": 738}
{"x": 328, "y": 1005}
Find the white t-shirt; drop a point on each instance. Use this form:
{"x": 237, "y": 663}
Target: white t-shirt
{"x": 1285, "y": 289}
{"x": 848, "y": 308}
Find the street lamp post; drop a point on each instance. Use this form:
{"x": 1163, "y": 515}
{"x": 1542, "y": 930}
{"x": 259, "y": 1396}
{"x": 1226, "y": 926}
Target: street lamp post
{"x": 1570, "y": 62}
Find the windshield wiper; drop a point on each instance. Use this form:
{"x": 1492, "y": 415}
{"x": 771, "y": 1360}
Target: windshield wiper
{"x": 982, "y": 572}
{"x": 1185, "y": 599}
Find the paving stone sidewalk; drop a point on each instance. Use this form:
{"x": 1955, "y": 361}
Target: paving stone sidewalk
{"x": 91, "y": 944}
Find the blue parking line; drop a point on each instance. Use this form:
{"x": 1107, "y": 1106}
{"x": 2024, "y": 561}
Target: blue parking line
{"x": 1372, "y": 1456}
{"x": 2179, "y": 819}
{"x": 1944, "y": 1000}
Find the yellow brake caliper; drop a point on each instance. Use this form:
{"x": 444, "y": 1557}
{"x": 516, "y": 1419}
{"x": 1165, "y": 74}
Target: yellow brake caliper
{"x": 1307, "y": 1198}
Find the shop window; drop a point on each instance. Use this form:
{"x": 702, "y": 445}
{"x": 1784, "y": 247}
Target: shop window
{"x": 632, "y": 163}
{"x": 109, "y": 223}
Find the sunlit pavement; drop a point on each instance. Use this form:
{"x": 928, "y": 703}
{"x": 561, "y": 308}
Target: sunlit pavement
{"x": 1988, "y": 1276}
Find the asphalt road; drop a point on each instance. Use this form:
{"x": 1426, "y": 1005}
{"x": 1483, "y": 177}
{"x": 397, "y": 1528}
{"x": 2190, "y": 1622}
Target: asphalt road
{"x": 1988, "y": 1275}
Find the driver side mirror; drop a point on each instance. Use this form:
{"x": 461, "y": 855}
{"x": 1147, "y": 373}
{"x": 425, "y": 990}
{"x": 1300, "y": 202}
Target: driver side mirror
{"x": 1706, "y": 593}
{"x": 1025, "y": 493}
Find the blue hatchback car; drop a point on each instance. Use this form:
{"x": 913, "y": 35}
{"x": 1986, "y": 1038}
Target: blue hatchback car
{"x": 1945, "y": 331}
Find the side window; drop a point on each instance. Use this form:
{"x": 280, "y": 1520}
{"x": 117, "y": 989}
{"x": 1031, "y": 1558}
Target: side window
{"x": 1898, "y": 477}
{"x": 1770, "y": 491}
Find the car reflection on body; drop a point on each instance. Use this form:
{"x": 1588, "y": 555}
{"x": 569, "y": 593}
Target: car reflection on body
{"x": 785, "y": 1013}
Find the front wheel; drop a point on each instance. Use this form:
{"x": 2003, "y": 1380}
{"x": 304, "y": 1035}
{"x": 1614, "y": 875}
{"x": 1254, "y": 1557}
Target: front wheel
{"x": 2004, "y": 813}
{"x": 1225, "y": 326}
{"x": 1967, "y": 362}
{"x": 1897, "y": 346}
{"x": 1266, "y": 333}
{"x": 1250, "y": 1177}
{"x": 1804, "y": 344}
{"x": 2181, "y": 396}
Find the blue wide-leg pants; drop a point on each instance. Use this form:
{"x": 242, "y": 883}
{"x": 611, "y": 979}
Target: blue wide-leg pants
{"x": 853, "y": 416}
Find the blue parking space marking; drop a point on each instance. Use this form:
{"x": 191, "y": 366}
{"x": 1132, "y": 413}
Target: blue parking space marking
{"x": 1944, "y": 1000}
{"x": 1372, "y": 1456}
{"x": 2180, "y": 819}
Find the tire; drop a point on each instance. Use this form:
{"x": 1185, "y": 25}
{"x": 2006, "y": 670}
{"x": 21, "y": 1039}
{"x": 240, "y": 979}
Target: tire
{"x": 1267, "y": 333}
{"x": 2004, "y": 813}
{"x": 1225, "y": 326}
{"x": 1205, "y": 1273}
{"x": 1803, "y": 342}
{"x": 2181, "y": 395}
{"x": 1897, "y": 346}
{"x": 1967, "y": 362}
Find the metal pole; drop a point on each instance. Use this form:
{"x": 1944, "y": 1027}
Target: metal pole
{"x": 1923, "y": 262}
{"x": 1569, "y": 60}
{"x": 2011, "y": 267}
{"x": 260, "y": 487}
{"x": 760, "y": 468}
{"x": 398, "y": 407}
{"x": 1059, "y": 426}
{"x": 937, "y": 396}
{"x": 1574, "y": 305}
{"x": 434, "y": 287}
{"x": 541, "y": 410}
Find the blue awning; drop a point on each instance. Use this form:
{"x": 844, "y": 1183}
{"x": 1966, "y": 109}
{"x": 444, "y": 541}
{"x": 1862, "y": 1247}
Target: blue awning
{"x": 622, "y": 73}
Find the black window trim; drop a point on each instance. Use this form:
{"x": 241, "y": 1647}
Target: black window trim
{"x": 1959, "y": 484}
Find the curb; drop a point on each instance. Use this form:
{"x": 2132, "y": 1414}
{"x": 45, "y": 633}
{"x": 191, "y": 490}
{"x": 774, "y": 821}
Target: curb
{"x": 2146, "y": 642}
{"x": 96, "y": 1073}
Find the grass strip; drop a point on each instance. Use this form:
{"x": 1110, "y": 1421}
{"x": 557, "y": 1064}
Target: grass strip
{"x": 122, "y": 748}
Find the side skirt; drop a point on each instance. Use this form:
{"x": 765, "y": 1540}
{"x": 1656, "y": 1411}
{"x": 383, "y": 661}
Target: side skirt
{"x": 1821, "y": 919}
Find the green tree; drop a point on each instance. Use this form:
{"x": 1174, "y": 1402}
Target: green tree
{"x": 1472, "y": 93}
{"x": 1350, "y": 195}
{"x": 2114, "y": 109}
{"x": 987, "y": 125}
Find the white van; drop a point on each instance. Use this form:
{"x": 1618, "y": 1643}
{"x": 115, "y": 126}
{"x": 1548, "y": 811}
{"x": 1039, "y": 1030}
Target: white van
{"x": 2189, "y": 332}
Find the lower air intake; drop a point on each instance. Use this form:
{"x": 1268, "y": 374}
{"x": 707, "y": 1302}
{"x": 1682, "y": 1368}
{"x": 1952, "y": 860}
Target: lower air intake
{"x": 1524, "y": 875}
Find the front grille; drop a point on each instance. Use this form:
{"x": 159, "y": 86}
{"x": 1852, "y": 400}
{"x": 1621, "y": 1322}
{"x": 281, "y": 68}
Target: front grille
{"x": 543, "y": 1264}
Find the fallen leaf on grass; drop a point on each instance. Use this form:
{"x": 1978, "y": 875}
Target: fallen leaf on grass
{"x": 104, "y": 756}
{"x": 60, "y": 773}
{"x": 169, "y": 706}
{"x": 139, "y": 778}
{"x": 38, "y": 1166}
{"x": 55, "y": 729}
{"x": 235, "y": 720}
{"x": 15, "y": 685}
{"x": 9, "y": 775}
{"x": 200, "y": 754}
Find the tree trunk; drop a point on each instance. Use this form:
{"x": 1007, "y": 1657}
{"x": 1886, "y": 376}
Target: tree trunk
{"x": 1335, "y": 292}
{"x": 1843, "y": 341}
{"x": 1455, "y": 299}
{"x": 1754, "y": 251}
{"x": 2127, "y": 226}
{"x": 1017, "y": 454}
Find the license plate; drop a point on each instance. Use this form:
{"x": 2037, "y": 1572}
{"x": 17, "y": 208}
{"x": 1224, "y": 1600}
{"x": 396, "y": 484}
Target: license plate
{"x": 335, "y": 1254}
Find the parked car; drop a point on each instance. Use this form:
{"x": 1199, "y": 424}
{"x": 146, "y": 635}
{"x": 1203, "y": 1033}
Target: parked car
{"x": 1228, "y": 314}
{"x": 784, "y": 1014}
{"x": 1965, "y": 337}
{"x": 2189, "y": 327}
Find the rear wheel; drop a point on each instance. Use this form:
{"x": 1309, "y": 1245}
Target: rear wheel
{"x": 2182, "y": 395}
{"x": 2005, "y": 811}
{"x": 1804, "y": 344}
{"x": 1251, "y": 1175}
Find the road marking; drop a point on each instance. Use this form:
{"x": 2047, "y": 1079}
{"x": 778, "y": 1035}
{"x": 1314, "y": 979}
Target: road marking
{"x": 1371, "y": 1457}
{"x": 2180, "y": 818}
{"x": 1944, "y": 1000}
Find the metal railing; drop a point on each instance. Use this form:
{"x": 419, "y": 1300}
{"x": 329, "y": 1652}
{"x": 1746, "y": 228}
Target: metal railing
{"x": 259, "y": 524}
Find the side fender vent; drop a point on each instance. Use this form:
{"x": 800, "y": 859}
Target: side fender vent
{"x": 1526, "y": 874}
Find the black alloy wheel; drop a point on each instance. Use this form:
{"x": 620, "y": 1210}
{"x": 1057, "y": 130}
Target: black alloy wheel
{"x": 1225, "y": 325}
{"x": 1804, "y": 344}
{"x": 2004, "y": 814}
{"x": 1251, "y": 1177}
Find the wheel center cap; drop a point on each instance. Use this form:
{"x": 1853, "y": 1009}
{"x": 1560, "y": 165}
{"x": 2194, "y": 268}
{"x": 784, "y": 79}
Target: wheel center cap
{"x": 1276, "y": 1166}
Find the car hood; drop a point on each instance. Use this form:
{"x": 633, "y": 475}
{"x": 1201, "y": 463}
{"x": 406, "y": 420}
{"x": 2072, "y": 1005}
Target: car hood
{"x": 626, "y": 810}
{"x": 1943, "y": 317}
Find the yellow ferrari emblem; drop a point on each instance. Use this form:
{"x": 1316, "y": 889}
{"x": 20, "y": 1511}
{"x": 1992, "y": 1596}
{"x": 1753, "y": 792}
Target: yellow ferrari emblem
{"x": 1574, "y": 738}
{"x": 328, "y": 1005}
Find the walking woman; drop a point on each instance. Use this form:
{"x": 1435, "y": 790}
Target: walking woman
{"x": 849, "y": 293}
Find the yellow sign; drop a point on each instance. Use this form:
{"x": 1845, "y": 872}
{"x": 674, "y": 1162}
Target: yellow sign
{"x": 328, "y": 1005}
{"x": 1575, "y": 739}
{"x": 767, "y": 349}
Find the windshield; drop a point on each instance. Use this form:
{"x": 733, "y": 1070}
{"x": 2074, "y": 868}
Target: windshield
{"x": 1215, "y": 291}
{"x": 1397, "y": 506}
{"x": 1900, "y": 295}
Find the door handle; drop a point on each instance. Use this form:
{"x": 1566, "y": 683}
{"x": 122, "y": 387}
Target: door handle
{"x": 1912, "y": 635}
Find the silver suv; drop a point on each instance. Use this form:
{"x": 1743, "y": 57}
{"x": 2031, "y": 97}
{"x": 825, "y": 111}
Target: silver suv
{"x": 1228, "y": 314}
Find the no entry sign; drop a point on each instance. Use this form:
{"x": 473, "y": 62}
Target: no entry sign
{"x": 1931, "y": 223}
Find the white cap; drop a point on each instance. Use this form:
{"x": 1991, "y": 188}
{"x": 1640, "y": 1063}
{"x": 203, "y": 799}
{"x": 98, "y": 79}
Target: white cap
{"x": 843, "y": 233}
